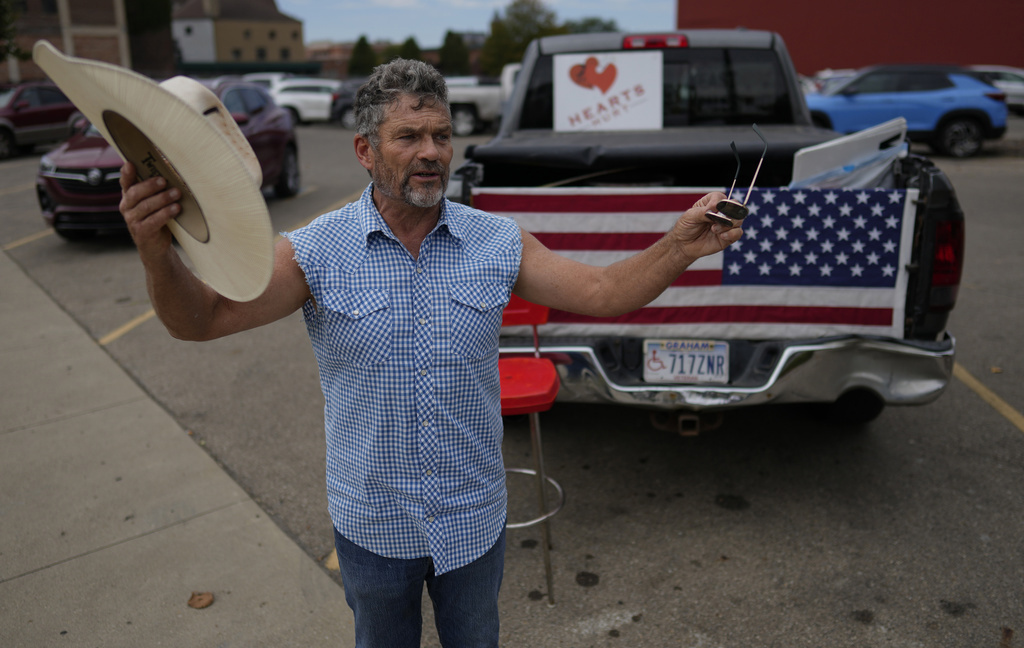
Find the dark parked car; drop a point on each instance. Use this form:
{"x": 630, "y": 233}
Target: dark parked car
{"x": 343, "y": 108}
{"x": 950, "y": 108}
{"x": 33, "y": 113}
{"x": 78, "y": 182}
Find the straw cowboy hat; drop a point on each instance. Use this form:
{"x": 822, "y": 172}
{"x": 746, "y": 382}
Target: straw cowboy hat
{"x": 179, "y": 129}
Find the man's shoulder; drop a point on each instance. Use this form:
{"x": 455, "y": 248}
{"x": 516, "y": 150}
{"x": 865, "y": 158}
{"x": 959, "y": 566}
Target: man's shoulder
{"x": 327, "y": 233}
{"x": 474, "y": 223}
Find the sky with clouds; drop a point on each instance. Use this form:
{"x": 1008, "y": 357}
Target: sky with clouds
{"x": 428, "y": 20}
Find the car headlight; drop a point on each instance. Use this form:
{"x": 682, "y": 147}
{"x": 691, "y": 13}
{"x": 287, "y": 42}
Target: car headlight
{"x": 46, "y": 165}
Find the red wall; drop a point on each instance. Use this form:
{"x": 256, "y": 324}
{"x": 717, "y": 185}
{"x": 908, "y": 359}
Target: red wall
{"x": 844, "y": 34}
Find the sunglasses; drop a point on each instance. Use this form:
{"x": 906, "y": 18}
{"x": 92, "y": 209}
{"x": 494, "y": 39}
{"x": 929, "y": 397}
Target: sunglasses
{"x": 729, "y": 212}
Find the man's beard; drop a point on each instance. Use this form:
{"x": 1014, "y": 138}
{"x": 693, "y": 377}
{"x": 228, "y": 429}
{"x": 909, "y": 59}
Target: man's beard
{"x": 386, "y": 181}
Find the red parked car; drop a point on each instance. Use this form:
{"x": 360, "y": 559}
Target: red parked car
{"x": 33, "y": 113}
{"x": 78, "y": 182}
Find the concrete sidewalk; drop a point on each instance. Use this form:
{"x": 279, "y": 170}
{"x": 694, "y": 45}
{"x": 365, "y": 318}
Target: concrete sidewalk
{"x": 111, "y": 516}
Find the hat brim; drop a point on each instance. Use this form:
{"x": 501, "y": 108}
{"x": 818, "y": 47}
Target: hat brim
{"x": 224, "y": 226}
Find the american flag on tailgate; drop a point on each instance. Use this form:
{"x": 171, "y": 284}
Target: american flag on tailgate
{"x": 812, "y": 262}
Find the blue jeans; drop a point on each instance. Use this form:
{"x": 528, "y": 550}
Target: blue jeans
{"x": 385, "y": 595}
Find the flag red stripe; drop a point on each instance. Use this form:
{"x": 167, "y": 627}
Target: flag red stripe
{"x": 737, "y": 313}
{"x": 586, "y": 203}
{"x": 699, "y": 278}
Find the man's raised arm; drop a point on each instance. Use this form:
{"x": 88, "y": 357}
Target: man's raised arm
{"x": 189, "y": 308}
{"x": 553, "y": 280}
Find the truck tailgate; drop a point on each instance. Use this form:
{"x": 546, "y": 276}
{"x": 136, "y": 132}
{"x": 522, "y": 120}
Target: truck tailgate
{"x": 812, "y": 263}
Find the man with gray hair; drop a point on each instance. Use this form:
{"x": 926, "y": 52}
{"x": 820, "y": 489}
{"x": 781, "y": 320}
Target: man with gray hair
{"x": 402, "y": 293}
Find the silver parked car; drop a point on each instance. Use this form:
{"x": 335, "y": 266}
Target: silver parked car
{"x": 1008, "y": 79}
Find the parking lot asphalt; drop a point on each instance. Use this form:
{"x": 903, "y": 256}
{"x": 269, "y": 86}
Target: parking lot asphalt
{"x": 113, "y": 518}
{"x": 116, "y": 526}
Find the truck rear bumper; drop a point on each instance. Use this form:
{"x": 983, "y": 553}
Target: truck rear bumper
{"x": 900, "y": 372}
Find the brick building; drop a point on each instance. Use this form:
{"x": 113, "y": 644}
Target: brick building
{"x": 237, "y": 32}
{"x": 95, "y": 29}
{"x": 869, "y": 32}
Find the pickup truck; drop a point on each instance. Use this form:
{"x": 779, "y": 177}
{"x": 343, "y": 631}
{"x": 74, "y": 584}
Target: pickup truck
{"x": 839, "y": 292}
{"x": 476, "y": 102}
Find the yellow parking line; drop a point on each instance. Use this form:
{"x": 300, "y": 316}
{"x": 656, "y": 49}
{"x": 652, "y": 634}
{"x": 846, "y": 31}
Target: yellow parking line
{"x": 28, "y": 239}
{"x": 121, "y": 330}
{"x": 987, "y": 395}
{"x": 17, "y": 189}
{"x": 145, "y": 317}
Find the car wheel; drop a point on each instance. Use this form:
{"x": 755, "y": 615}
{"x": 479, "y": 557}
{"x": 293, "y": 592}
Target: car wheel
{"x": 463, "y": 121}
{"x": 289, "y": 183}
{"x": 7, "y": 145}
{"x": 348, "y": 119}
{"x": 959, "y": 137}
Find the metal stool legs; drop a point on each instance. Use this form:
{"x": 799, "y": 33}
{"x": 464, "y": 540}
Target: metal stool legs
{"x": 543, "y": 513}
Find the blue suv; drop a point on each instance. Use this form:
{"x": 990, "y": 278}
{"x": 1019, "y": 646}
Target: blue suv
{"x": 949, "y": 108}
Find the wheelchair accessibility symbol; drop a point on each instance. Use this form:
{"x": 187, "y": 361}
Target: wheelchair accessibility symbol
{"x": 654, "y": 363}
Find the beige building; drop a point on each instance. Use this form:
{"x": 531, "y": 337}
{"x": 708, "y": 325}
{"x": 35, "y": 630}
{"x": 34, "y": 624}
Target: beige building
{"x": 95, "y": 29}
{"x": 236, "y": 31}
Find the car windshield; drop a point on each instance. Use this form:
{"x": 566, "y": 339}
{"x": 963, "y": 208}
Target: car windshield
{"x": 5, "y": 96}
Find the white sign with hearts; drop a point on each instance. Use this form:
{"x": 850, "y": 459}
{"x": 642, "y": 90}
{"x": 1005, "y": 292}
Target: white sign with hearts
{"x": 608, "y": 91}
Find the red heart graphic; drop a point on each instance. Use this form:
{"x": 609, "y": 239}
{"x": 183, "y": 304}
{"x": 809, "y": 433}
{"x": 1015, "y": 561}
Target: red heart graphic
{"x": 587, "y": 76}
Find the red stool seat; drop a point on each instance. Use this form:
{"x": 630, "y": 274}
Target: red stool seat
{"x": 527, "y": 385}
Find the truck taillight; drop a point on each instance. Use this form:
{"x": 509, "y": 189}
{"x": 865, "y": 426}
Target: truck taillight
{"x": 654, "y": 41}
{"x": 947, "y": 265}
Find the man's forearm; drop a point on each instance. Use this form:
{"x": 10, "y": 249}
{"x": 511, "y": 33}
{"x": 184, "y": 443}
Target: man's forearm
{"x": 181, "y": 300}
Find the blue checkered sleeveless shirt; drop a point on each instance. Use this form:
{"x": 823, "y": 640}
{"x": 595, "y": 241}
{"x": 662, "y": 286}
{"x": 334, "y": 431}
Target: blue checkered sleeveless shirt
{"x": 408, "y": 356}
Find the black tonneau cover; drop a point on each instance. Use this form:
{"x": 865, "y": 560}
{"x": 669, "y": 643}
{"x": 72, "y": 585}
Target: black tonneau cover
{"x": 700, "y": 155}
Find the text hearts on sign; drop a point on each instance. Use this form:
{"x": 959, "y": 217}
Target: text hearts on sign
{"x": 587, "y": 76}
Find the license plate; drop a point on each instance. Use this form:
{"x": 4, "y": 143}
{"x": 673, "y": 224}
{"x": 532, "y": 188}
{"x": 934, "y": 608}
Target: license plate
{"x": 686, "y": 361}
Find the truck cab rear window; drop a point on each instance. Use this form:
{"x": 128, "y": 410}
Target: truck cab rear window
{"x": 700, "y": 87}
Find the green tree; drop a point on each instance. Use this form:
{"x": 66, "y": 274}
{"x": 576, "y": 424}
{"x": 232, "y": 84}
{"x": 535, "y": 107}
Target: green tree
{"x": 8, "y": 33}
{"x": 454, "y": 55}
{"x": 410, "y": 50}
{"x": 524, "y": 20}
{"x": 363, "y": 58}
{"x": 591, "y": 25}
{"x": 495, "y": 52}
{"x": 391, "y": 52}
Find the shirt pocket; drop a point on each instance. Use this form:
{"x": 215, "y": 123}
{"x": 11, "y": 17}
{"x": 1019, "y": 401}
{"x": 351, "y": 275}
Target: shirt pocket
{"x": 476, "y": 317}
{"x": 359, "y": 325}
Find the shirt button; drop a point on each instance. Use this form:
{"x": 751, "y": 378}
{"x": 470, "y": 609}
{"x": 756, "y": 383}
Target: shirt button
{"x": 429, "y": 472}
{"x": 355, "y": 313}
{"x": 423, "y": 372}
{"x": 430, "y": 519}
{"x": 423, "y": 320}
{"x": 426, "y": 423}
{"x": 419, "y": 270}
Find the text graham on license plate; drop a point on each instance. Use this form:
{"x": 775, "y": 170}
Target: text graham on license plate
{"x": 686, "y": 361}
